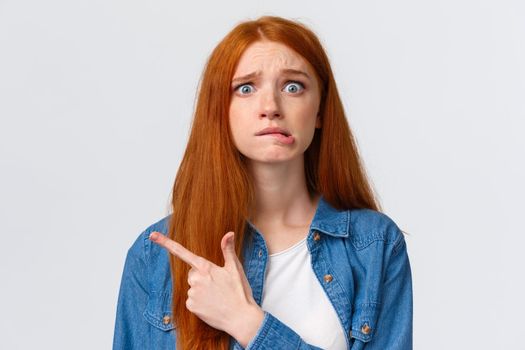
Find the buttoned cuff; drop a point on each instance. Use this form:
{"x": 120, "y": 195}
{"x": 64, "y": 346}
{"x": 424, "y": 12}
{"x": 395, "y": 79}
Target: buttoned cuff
{"x": 273, "y": 334}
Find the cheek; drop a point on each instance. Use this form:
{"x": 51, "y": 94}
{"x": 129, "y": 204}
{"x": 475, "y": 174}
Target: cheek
{"x": 238, "y": 122}
{"x": 307, "y": 116}
{"x": 306, "y": 113}
{"x": 306, "y": 106}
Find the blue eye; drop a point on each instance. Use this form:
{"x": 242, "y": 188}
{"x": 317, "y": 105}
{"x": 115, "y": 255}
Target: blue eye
{"x": 244, "y": 89}
{"x": 294, "y": 87}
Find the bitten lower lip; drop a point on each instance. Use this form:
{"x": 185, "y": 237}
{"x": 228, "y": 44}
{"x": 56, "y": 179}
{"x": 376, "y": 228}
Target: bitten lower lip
{"x": 287, "y": 140}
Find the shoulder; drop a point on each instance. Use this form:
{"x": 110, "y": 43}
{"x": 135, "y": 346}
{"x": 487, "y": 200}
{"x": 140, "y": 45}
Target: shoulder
{"x": 155, "y": 266}
{"x": 380, "y": 278}
{"x": 142, "y": 247}
{"x": 367, "y": 226}
{"x": 147, "y": 284}
{"x": 153, "y": 260}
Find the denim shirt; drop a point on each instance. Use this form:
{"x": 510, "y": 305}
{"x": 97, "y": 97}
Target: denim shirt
{"x": 359, "y": 257}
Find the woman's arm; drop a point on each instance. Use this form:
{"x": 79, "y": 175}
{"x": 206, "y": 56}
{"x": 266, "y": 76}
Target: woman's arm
{"x": 215, "y": 289}
{"x": 395, "y": 318}
{"x": 273, "y": 334}
{"x": 394, "y": 324}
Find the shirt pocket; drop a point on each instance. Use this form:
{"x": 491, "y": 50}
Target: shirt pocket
{"x": 364, "y": 322}
{"x": 158, "y": 311}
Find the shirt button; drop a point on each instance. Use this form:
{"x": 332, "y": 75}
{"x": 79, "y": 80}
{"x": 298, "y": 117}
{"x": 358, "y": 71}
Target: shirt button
{"x": 317, "y": 236}
{"x": 328, "y": 278}
{"x": 365, "y": 329}
{"x": 166, "y": 319}
{"x": 260, "y": 253}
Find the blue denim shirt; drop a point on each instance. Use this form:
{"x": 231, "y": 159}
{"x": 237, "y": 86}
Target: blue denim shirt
{"x": 359, "y": 257}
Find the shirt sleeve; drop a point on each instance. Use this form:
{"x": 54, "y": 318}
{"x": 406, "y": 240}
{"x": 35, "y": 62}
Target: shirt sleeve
{"x": 394, "y": 324}
{"x": 273, "y": 334}
{"x": 131, "y": 332}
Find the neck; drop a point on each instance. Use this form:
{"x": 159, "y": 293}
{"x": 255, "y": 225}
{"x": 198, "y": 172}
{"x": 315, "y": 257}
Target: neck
{"x": 282, "y": 197}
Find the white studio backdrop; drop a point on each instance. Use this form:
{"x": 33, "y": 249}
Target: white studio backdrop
{"x": 96, "y": 99}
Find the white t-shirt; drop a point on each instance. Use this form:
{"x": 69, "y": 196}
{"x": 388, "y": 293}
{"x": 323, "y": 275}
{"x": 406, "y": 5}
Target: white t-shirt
{"x": 293, "y": 294}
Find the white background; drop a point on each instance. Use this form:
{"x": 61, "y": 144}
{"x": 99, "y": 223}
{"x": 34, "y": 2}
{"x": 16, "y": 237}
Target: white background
{"x": 96, "y": 98}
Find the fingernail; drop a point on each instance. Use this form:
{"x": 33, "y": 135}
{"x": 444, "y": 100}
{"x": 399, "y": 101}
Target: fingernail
{"x": 153, "y": 236}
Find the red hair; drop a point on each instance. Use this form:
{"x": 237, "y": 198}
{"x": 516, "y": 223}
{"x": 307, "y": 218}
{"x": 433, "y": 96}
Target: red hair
{"x": 213, "y": 192}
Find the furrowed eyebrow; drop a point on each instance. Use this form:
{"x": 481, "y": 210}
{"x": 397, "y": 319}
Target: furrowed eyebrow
{"x": 245, "y": 77}
{"x": 255, "y": 74}
{"x": 295, "y": 71}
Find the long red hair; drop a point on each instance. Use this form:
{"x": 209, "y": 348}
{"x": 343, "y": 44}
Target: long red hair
{"x": 213, "y": 192}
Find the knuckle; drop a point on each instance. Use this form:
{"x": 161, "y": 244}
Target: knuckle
{"x": 204, "y": 265}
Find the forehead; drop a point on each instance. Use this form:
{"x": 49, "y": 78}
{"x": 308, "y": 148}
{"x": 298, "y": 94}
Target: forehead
{"x": 268, "y": 55}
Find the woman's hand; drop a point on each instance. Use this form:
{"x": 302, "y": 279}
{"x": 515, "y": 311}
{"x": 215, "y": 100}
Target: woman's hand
{"x": 220, "y": 296}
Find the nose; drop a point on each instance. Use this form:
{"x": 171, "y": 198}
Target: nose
{"x": 269, "y": 105}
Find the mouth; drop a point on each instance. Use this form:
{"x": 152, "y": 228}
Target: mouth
{"x": 283, "y": 136}
{"x": 273, "y": 130}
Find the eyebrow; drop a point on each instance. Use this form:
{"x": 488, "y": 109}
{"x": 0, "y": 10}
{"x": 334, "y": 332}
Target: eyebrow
{"x": 255, "y": 74}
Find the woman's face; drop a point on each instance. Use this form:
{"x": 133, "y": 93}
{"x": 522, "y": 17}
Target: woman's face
{"x": 273, "y": 86}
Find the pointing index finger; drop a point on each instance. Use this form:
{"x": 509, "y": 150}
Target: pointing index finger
{"x": 176, "y": 249}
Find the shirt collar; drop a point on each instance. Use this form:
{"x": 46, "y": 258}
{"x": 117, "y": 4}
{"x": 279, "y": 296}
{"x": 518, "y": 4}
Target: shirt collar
{"x": 327, "y": 220}
{"x": 330, "y": 220}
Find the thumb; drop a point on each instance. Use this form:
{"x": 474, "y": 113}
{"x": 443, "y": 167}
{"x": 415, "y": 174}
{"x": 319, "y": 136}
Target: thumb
{"x": 228, "y": 248}
{"x": 232, "y": 262}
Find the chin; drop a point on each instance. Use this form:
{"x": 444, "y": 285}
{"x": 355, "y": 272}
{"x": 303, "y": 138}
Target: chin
{"x": 273, "y": 159}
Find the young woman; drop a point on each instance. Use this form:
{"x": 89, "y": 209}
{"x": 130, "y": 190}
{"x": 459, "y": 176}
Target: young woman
{"x": 276, "y": 240}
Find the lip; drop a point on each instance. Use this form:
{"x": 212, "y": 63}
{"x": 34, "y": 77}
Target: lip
{"x": 273, "y": 130}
